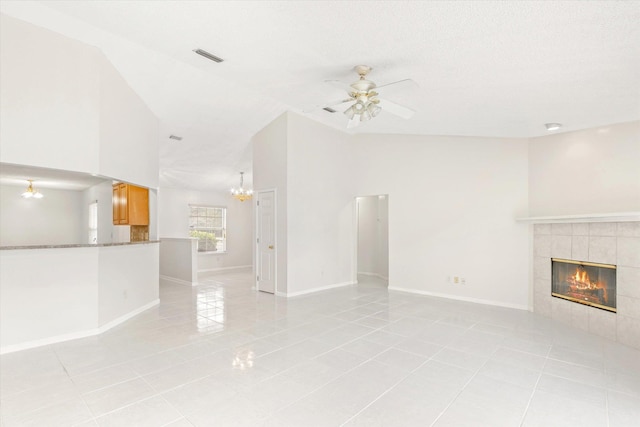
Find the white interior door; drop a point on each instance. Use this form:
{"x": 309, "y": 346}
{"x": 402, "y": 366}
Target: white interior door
{"x": 266, "y": 242}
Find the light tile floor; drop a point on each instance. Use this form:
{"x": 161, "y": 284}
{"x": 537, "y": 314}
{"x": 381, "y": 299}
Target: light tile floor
{"x": 221, "y": 354}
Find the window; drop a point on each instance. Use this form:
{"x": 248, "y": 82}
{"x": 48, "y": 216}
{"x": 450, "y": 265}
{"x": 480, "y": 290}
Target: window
{"x": 209, "y": 225}
{"x": 93, "y": 222}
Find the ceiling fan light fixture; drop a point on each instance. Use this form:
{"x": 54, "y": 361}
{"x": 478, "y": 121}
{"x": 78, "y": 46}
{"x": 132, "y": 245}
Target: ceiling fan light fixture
{"x": 31, "y": 193}
{"x": 373, "y": 109}
{"x": 365, "y": 116}
{"x": 350, "y": 112}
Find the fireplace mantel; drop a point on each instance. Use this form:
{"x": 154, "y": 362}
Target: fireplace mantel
{"x": 595, "y": 217}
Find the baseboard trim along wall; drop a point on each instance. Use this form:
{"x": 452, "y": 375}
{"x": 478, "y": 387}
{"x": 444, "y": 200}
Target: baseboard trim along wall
{"x": 314, "y": 290}
{"x": 367, "y": 273}
{"x": 80, "y": 334}
{"x": 459, "y": 298}
{"x": 178, "y": 281}
{"x": 213, "y": 270}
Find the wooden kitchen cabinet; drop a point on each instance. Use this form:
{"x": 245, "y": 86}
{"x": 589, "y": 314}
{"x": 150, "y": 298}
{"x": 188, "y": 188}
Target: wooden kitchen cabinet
{"x": 130, "y": 205}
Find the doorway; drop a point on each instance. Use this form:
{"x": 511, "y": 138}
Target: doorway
{"x": 372, "y": 248}
{"x": 266, "y": 251}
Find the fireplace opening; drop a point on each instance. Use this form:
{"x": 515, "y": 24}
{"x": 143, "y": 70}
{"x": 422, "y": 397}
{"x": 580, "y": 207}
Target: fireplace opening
{"x": 586, "y": 283}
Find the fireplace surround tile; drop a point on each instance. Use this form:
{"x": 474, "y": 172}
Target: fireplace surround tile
{"x": 542, "y": 268}
{"x": 540, "y": 229}
{"x": 629, "y": 281}
{"x": 580, "y": 248}
{"x": 561, "y": 247}
{"x": 542, "y": 245}
{"x": 561, "y": 310}
{"x": 629, "y": 306}
{"x": 629, "y": 331}
{"x": 580, "y": 229}
{"x": 580, "y": 316}
{"x": 608, "y": 243}
{"x": 541, "y": 286}
{"x": 629, "y": 229}
{"x": 542, "y": 304}
{"x": 603, "y": 228}
{"x": 629, "y": 251}
{"x": 602, "y": 250}
{"x": 561, "y": 229}
{"x": 602, "y": 323}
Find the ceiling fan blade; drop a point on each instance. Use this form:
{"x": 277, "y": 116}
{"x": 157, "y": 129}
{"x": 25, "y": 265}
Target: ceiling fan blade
{"x": 336, "y": 103}
{"x": 340, "y": 85}
{"x": 398, "y": 110}
{"x": 401, "y": 84}
{"x": 354, "y": 122}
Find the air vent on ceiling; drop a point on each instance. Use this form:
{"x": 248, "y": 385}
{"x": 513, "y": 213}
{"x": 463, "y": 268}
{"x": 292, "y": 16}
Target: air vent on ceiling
{"x": 177, "y": 138}
{"x": 208, "y": 55}
{"x": 329, "y": 109}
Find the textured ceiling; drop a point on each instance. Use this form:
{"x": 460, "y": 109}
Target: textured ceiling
{"x": 484, "y": 68}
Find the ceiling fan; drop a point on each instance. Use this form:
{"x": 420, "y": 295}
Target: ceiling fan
{"x": 364, "y": 100}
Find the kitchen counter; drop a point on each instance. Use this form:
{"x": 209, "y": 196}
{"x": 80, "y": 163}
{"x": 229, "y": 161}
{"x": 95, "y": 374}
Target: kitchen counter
{"x": 85, "y": 245}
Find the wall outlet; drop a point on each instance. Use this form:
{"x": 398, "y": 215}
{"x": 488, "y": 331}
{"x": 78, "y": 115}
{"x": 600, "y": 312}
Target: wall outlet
{"x": 463, "y": 281}
{"x": 455, "y": 280}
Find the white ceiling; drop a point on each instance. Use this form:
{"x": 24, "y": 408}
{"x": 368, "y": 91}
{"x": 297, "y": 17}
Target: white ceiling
{"x": 484, "y": 68}
{"x": 47, "y": 178}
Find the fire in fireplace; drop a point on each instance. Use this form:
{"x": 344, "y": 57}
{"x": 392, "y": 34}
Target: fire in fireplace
{"x": 584, "y": 282}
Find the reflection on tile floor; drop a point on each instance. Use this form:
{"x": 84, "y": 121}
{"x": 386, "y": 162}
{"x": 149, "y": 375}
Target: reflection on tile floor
{"x": 221, "y": 354}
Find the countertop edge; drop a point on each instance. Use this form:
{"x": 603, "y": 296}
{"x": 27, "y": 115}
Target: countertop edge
{"x": 86, "y": 245}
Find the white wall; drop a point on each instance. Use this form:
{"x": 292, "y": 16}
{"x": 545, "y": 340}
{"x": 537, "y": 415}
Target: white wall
{"x": 373, "y": 251}
{"x": 383, "y": 236}
{"x": 55, "y": 219}
{"x": 129, "y": 145}
{"x": 590, "y": 171}
{"x": 179, "y": 259}
{"x": 452, "y": 210}
{"x": 270, "y": 172}
{"x": 57, "y": 294}
{"x": 68, "y": 108}
{"x": 58, "y": 298}
{"x": 49, "y": 101}
{"x": 173, "y": 218}
{"x": 320, "y": 207}
{"x": 128, "y": 279}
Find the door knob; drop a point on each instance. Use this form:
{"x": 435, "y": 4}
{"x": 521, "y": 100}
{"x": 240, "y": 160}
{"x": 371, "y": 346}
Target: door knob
{"x": 270, "y": 246}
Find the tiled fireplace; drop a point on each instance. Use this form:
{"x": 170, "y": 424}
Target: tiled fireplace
{"x": 597, "y": 275}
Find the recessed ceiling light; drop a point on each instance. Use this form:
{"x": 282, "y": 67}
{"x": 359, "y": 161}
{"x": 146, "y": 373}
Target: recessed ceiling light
{"x": 552, "y": 126}
{"x": 177, "y": 138}
{"x": 208, "y": 55}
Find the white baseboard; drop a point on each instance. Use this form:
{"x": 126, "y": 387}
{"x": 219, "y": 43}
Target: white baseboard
{"x": 213, "y": 270}
{"x": 459, "y": 298}
{"x": 367, "y": 273}
{"x": 77, "y": 335}
{"x": 178, "y": 281}
{"x": 125, "y": 317}
{"x": 314, "y": 290}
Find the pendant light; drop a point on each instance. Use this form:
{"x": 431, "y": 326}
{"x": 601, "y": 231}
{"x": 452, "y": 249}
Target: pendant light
{"x": 240, "y": 193}
{"x": 32, "y": 193}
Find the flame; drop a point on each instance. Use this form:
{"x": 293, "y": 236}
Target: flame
{"x": 581, "y": 281}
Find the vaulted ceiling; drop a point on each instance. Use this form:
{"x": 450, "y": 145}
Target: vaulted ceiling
{"x": 483, "y": 68}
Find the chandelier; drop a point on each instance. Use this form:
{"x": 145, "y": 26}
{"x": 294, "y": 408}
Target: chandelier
{"x": 32, "y": 193}
{"x": 240, "y": 193}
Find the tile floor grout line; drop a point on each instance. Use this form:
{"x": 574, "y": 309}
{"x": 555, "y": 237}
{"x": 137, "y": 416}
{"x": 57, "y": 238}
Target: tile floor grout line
{"x": 535, "y": 387}
{"x": 475, "y": 374}
{"x": 394, "y": 385}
